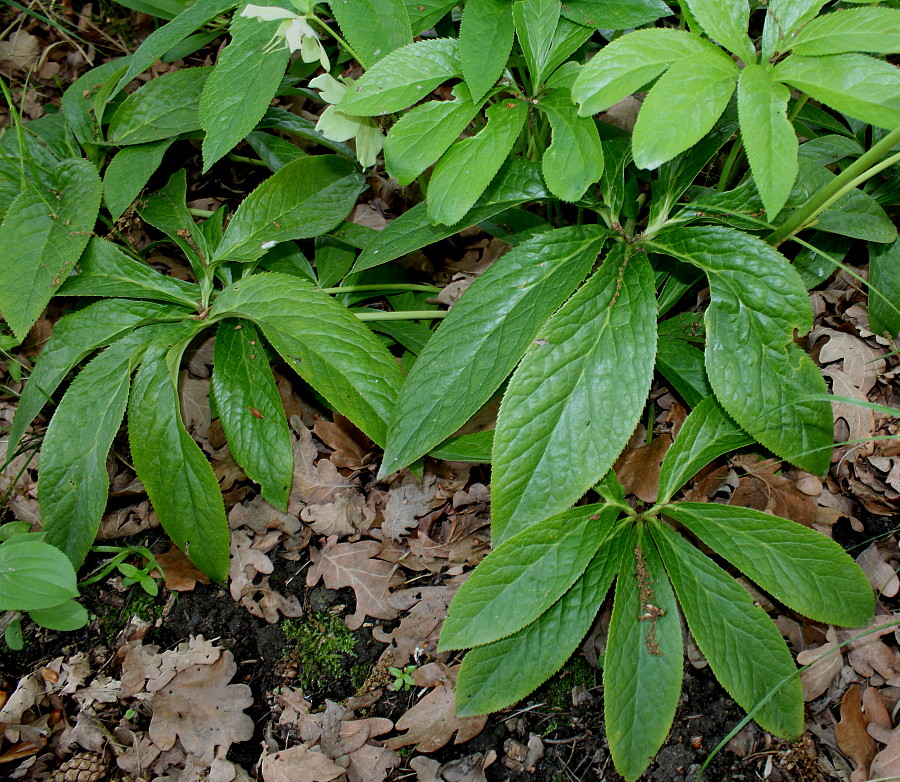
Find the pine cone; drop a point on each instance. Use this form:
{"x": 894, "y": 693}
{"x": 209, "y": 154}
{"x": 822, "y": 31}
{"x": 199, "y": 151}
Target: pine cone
{"x": 81, "y": 767}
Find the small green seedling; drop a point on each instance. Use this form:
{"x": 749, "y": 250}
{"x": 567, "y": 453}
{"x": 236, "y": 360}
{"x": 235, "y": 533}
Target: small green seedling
{"x": 403, "y": 679}
{"x": 131, "y": 574}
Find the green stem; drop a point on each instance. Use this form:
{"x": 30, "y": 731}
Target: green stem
{"x": 336, "y": 37}
{"x": 406, "y": 315}
{"x": 856, "y": 173}
{"x": 798, "y": 104}
{"x": 386, "y": 287}
{"x": 250, "y": 161}
{"x": 730, "y": 164}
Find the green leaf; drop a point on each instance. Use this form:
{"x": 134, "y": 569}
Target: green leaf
{"x": 179, "y": 480}
{"x": 162, "y": 108}
{"x": 475, "y": 447}
{"x": 73, "y": 338}
{"x": 485, "y": 40}
{"x": 761, "y": 378}
{"x": 856, "y": 214}
{"x": 642, "y": 670}
{"x": 41, "y": 238}
{"x": 615, "y": 14}
{"x": 524, "y": 576}
{"x": 241, "y": 86}
{"x": 467, "y": 168}
{"x": 574, "y": 159}
{"x": 323, "y": 343}
{"x": 251, "y": 412}
{"x": 104, "y": 270}
{"x": 373, "y": 28}
{"x": 814, "y": 267}
{"x": 518, "y": 181}
{"x": 483, "y": 337}
{"x": 275, "y": 152}
{"x": 706, "y": 433}
{"x": 627, "y": 64}
{"x": 884, "y": 277}
{"x": 128, "y": 173}
{"x": 306, "y": 198}
{"x": 424, "y": 13}
{"x": 34, "y": 575}
{"x": 683, "y": 106}
{"x": 167, "y": 210}
{"x": 768, "y": 135}
{"x": 865, "y": 88}
{"x": 579, "y": 390}
{"x": 783, "y": 17}
{"x": 164, "y": 38}
{"x": 501, "y": 673}
{"x": 78, "y": 100}
{"x": 64, "y": 617}
{"x": 850, "y": 30}
{"x": 536, "y": 22}
{"x": 744, "y": 649}
{"x": 798, "y": 566}
{"x": 73, "y": 485}
{"x": 682, "y": 366}
{"x": 726, "y": 21}
{"x": 402, "y": 78}
{"x": 13, "y": 635}
{"x": 424, "y": 133}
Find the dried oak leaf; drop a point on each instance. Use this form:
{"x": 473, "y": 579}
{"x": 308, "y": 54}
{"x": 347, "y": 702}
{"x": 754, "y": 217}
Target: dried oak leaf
{"x": 200, "y": 707}
{"x": 314, "y": 483}
{"x": 826, "y": 661}
{"x": 763, "y": 489}
{"x": 181, "y": 574}
{"x": 886, "y": 763}
{"x": 247, "y": 563}
{"x": 299, "y": 764}
{"x": 419, "y": 628}
{"x": 347, "y": 442}
{"x": 880, "y": 574}
{"x": 638, "y": 468}
{"x": 406, "y": 502}
{"x": 852, "y": 738}
{"x": 431, "y": 723}
{"x": 354, "y": 565}
{"x": 346, "y": 516}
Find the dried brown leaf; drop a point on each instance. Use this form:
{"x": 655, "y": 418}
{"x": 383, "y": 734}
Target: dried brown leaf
{"x": 201, "y": 709}
{"x": 354, "y": 565}
{"x": 432, "y": 721}
{"x": 299, "y": 764}
{"x": 852, "y": 738}
{"x": 181, "y": 574}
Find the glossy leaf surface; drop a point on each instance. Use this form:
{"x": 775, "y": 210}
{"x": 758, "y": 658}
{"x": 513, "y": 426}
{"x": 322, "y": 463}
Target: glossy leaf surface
{"x": 484, "y": 336}
{"x": 761, "y": 378}
{"x": 798, "y": 566}
{"x": 503, "y": 672}
{"x": 522, "y": 577}
{"x": 579, "y": 389}
{"x": 323, "y": 343}
{"x": 642, "y": 668}
{"x": 305, "y": 198}
{"x": 745, "y": 650}
{"x": 250, "y": 410}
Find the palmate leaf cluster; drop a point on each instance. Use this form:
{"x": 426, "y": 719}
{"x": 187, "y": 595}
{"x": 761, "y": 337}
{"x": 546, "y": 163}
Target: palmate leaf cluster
{"x": 570, "y": 325}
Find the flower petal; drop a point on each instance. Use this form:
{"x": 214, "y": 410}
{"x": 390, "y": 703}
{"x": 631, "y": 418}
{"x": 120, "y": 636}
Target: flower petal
{"x": 331, "y": 89}
{"x": 267, "y": 13}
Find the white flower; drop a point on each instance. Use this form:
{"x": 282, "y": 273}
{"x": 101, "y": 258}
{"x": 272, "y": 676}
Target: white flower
{"x": 294, "y": 30}
{"x": 338, "y": 126}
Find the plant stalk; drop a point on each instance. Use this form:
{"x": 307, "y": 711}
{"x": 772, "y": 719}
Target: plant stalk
{"x": 405, "y": 315}
{"x": 857, "y": 172}
{"x": 394, "y": 287}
